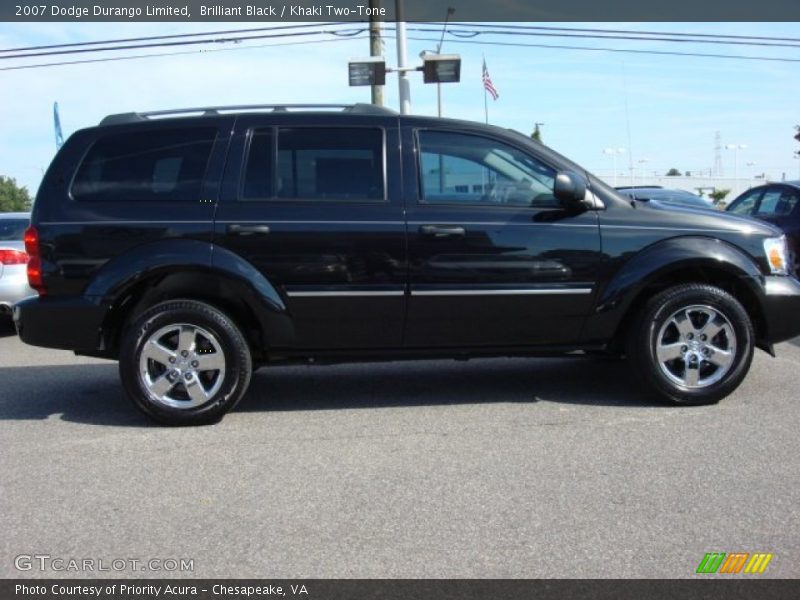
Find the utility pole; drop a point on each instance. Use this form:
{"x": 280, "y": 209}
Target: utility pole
{"x": 402, "y": 79}
{"x": 375, "y": 47}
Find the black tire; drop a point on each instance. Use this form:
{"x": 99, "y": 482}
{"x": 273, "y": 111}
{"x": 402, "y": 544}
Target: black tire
{"x": 704, "y": 370}
{"x": 195, "y": 396}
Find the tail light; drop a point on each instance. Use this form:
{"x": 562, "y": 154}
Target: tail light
{"x": 34, "y": 260}
{"x": 12, "y": 257}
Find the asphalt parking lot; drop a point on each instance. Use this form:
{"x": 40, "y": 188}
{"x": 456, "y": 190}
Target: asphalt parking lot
{"x": 490, "y": 468}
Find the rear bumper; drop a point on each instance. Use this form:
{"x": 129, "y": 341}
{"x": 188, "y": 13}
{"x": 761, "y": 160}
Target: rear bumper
{"x": 782, "y": 308}
{"x": 64, "y": 323}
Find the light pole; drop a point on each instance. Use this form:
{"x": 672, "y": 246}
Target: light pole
{"x": 450, "y": 11}
{"x": 735, "y": 148}
{"x": 797, "y": 156}
{"x": 614, "y": 152}
{"x": 404, "y": 85}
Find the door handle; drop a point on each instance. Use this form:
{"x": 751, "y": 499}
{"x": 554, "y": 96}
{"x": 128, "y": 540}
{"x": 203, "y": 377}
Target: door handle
{"x": 443, "y": 231}
{"x": 248, "y": 229}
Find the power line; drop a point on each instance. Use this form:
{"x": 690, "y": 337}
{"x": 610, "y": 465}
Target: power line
{"x": 621, "y": 50}
{"x": 238, "y": 39}
{"x": 179, "y": 53}
{"x": 473, "y": 31}
{"x": 460, "y": 33}
{"x": 625, "y": 31}
{"x": 166, "y": 37}
{"x": 356, "y": 33}
{"x": 486, "y": 26}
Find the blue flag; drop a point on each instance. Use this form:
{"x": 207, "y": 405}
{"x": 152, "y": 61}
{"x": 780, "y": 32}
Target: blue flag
{"x": 57, "y": 124}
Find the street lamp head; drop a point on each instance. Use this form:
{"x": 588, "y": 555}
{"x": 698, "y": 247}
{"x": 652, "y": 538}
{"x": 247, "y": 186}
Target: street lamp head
{"x": 367, "y": 71}
{"x": 441, "y": 68}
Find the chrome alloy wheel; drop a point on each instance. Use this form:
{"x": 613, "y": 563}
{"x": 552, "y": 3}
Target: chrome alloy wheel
{"x": 182, "y": 366}
{"x": 696, "y": 346}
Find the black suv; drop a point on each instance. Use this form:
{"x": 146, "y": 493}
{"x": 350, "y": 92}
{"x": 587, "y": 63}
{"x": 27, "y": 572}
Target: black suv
{"x": 196, "y": 245}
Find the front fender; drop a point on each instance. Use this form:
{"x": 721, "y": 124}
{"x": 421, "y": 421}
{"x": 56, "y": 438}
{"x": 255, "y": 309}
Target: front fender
{"x": 661, "y": 261}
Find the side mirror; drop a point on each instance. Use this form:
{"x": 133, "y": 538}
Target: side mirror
{"x": 569, "y": 188}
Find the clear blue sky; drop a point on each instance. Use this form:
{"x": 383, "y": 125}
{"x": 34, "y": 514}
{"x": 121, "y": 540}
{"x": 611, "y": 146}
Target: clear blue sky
{"x": 675, "y": 104}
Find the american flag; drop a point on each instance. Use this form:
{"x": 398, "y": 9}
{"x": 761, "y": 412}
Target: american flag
{"x": 487, "y": 82}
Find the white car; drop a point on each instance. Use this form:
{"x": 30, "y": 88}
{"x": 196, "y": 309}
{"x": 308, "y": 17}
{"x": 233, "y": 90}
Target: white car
{"x": 13, "y": 261}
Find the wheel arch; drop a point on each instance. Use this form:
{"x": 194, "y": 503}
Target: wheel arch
{"x": 672, "y": 262}
{"x": 224, "y": 281}
{"x": 720, "y": 278}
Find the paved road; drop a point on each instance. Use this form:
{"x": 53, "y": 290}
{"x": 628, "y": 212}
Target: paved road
{"x": 490, "y": 468}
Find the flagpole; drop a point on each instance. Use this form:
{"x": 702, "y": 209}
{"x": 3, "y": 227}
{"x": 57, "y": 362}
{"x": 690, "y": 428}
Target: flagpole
{"x": 485, "y": 94}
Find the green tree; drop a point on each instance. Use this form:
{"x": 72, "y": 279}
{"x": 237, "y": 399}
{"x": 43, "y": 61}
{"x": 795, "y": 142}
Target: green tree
{"x": 537, "y": 132}
{"x": 673, "y": 172}
{"x": 13, "y": 198}
{"x": 718, "y": 196}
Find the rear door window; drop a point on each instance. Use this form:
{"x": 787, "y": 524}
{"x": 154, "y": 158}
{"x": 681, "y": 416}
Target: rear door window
{"x": 320, "y": 163}
{"x": 330, "y": 164}
{"x": 154, "y": 165}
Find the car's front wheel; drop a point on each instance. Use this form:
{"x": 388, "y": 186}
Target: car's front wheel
{"x": 692, "y": 344}
{"x": 184, "y": 362}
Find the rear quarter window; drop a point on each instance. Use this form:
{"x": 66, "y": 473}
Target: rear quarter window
{"x": 145, "y": 166}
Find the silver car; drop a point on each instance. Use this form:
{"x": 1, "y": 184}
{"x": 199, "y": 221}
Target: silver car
{"x": 13, "y": 261}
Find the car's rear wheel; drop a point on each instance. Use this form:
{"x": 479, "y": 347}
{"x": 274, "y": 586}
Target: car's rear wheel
{"x": 184, "y": 362}
{"x": 692, "y": 344}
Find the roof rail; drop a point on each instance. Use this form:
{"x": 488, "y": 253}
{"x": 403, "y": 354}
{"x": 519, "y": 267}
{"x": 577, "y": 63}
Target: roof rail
{"x": 209, "y": 111}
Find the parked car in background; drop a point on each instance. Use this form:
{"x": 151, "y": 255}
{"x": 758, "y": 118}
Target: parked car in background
{"x": 13, "y": 261}
{"x": 776, "y": 203}
{"x": 666, "y": 196}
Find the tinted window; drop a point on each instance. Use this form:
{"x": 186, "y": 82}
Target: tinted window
{"x": 12, "y": 230}
{"x": 787, "y": 203}
{"x": 777, "y": 202}
{"x": 745, "y": 204}
{"x": 157, "y": 165}
{"x": 769, "y": 201}
{"x": 459, "y": 168}
{"x": 258, "y": 172}
{"x": 330, "y": 164}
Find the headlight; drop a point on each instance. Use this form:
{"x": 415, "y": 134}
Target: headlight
{"x": 777, "y": 255}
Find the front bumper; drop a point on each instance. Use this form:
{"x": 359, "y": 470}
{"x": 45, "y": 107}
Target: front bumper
{"x": 64, "y": 323}
{"x": 781, "y": 303}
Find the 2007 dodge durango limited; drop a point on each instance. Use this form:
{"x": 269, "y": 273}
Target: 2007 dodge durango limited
{"x": 196, "y": 245}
